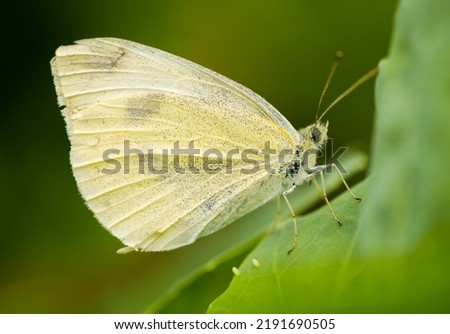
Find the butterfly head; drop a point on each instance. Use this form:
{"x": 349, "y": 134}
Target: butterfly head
{"x": 315, "y": 135}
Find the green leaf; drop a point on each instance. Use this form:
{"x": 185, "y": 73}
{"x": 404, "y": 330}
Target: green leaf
{"x": 409, "y": 194}
{"x": 303, "y": 281}
{"x": 405, "y": 226}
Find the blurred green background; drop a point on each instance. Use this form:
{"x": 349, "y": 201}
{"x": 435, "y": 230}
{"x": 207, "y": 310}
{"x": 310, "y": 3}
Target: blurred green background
{"x": 54, "y": 256}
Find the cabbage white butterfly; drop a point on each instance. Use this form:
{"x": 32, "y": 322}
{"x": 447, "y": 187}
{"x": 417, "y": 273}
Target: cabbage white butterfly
{"x": 165, "y": 151}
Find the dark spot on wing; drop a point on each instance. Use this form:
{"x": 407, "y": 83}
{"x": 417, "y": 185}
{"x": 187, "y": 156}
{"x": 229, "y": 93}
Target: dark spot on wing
{"x": 208, "y": 205}
{"x": 116, "y": 59}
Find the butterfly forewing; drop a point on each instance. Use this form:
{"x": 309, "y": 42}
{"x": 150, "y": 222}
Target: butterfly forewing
{"x": 121, "y": 94}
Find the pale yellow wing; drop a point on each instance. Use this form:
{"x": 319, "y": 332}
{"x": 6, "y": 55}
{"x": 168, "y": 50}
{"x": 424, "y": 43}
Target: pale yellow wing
{"x": 118, "y": 93}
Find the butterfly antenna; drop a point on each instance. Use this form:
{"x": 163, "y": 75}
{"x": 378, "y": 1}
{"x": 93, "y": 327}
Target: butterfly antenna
{"x": 358, "y": 83}
{"x": 337, "y": 58}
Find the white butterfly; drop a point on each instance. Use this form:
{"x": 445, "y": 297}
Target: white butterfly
{"x": 118, "y": 93}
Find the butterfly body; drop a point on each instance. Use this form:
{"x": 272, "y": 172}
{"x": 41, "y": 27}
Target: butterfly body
{"x": 165, "y": 151}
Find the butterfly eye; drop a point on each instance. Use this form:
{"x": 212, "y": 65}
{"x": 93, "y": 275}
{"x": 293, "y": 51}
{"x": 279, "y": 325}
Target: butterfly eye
{"x": 315, "y": 134}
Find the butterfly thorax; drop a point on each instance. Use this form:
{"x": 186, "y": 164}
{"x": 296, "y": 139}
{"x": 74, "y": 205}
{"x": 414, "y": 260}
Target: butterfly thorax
{"x": 303, "y": 165}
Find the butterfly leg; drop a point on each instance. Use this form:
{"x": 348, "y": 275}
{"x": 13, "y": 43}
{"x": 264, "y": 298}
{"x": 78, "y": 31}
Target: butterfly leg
{"x": 294, "y": 219}
{"x": 277, "y": 216}
{"x": 325, "y": 197}
{"x": 345, "y": 183}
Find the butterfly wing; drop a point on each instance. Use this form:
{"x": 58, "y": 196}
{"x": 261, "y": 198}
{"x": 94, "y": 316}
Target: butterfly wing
{"x": 127, "y": 106}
